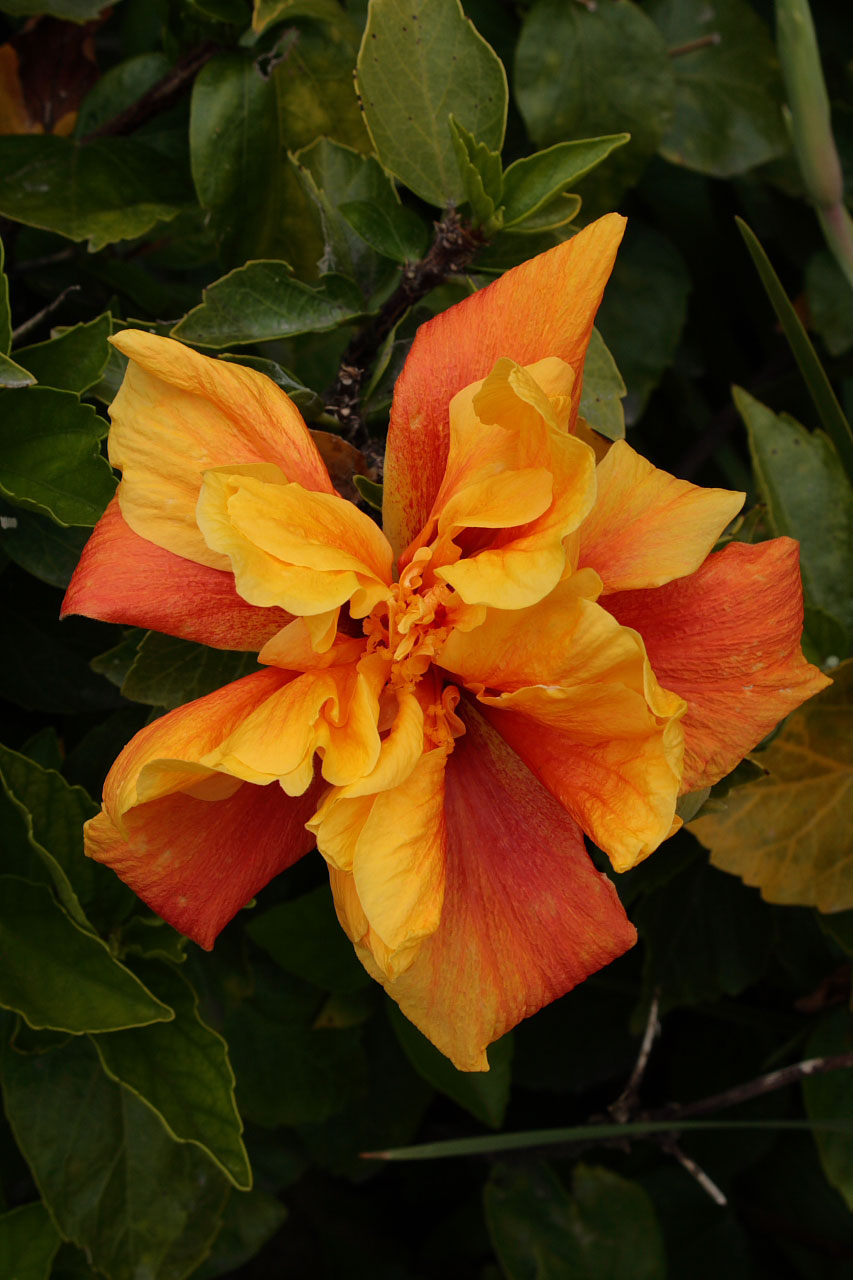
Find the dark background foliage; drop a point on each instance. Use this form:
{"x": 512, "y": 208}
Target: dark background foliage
{"x": 148, "y": 152}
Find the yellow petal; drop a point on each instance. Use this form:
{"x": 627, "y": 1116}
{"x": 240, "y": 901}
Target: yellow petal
{"x": 179, "y": 413}
{"x": 647, "y": 527}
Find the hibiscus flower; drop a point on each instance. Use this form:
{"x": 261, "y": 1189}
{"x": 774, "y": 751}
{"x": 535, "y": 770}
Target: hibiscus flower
{"x": 541, "y": 644}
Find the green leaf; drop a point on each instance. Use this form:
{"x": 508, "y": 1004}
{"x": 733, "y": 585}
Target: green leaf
{"x": 831, "y": 1095}
{"x": 167, "y": 672}
{"x": 249, "y": 1221}
{"x": 584, "y": 71}
{"x": 68, "y": 10}
{"x": 107, "y": 190}
{"x": 332, "y": 175}
{"x": 643, "y": 312}
{"x": 481, "y": 172}
{"x": 50, "y": 459}
{"x": 420, "y": 62}
{"x": 603, "y": 390}
{"x": 180, "y": 1069}
{"x": 304, "y": 937}
{"x": 150, "y": 937}
{"x": 728, "y": 93}
{"x": 371, "y": 492}
{"x": 556, "y": 213}
{"x": 118, "y": 88}
{"x": 28, "y": 1243}
{"x": 820, "y": 389}
{"x": 269, "y": 11}
{"x": 48, "y": 551}
{"x": 263, "y": 300}
{"x": 394, "y": 231}
{"x": 307, "y": 401}
{"x": 72, "y": 361}
{"x": 606, "y": 1227}
{"x": 532, "y": 182}
{"x": 116, "y": 1184}
{"x": 484, "y": 1093}
{"x": 12, "y": 375}
{"x": 830, "y": 300}
{"x": 5, "y": 312}
{"x": 705, "y": 936}
{"x": 809, "y": 498}
{"x": 57, "y": 975}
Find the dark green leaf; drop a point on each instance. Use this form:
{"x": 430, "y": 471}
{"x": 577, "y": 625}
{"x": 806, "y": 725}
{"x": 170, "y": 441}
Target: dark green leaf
{"x": 603, "y": 390}
{"x": 831, "y": 1095}
{"x": 728, "y": 92}
{"x": 304, "y": 937}
{"x": 28, "y": 1243}
{"x": 12, "y": 375}
{"x": 830, "y": 300}
{"x": 153, "y": 939}
{"x": 264, "y": 300}
{"x": 116, "y": 1184}
{"x": 118, "y": 88}
{"x": 809, "y": 498}
{"x": 607, "y": 1227}
{"x": 5, "y": 313}
{"x": 370, "y": 491}
{"x": 829, "y": 410}
{"x": 68, "y": 10}
{"x": 57, "y": 975}
{"x": 392, "y": 230}
{"x": 168, "y": 672}
{"x": 269, "y": 11}
{"x": 181, "y": 1070}
{"x": 249, "y": 1221}
{"x": 50, "y": 460}
{"x": 583, "y": 71}
{"x": 643, "y": 312}
{"x": 107, "y": 190}
{"x": 45, "y": 549}
{"x": 481, "y": 174}
{"x": 421, "y": 61}
{"x": 555, "y": 213}
{"x": 115, "y": 664}
{"x": 72, "y": 361}
{"x": 533, "y": 181}
{"x": 45, "y": 748}
{"x": 484, "y": 1093}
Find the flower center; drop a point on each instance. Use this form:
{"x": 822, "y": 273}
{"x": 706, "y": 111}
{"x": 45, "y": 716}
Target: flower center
{"x": 410, "y": 628}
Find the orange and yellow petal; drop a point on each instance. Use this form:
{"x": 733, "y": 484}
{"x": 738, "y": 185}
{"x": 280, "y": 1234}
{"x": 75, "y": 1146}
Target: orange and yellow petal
{"x": 124, "y": 578}
{"x": 727, "y": 639}
{"x": 290, "y": 547}
{"x": 545, "y": 307}
{"x": 647, "y": 527}
{"x": 179, "y": 413}
{"x": 525, "y": 915}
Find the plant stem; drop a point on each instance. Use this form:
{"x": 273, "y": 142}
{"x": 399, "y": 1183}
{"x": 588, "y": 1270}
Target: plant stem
{"x": 162, "y": 95}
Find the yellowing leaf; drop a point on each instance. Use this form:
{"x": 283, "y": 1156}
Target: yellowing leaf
{"x": 789, "y": 832}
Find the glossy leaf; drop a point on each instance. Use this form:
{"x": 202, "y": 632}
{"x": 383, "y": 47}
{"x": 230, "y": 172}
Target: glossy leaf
{"x": 72, "y": 361}
{"x": 531, "y": 182}
{"x": 56, "y": 974}
{"x": 28, "y": 1242}
{"x": 166, "y": 671}
{"x": 116, "y": 1184}
{"x": 264, "y": 300}
{"x": 603, "y": 390}
{"x": 484, "y": 1093}
{"x": 50, "y": 459}
{"x": 809, "y": 498}
{"x": 606, "y": 1227}
{"x": 728, "y": 91}
{"x": 180, "y": 1069}
{"x": 420, "y": 62}
{"x": 783, "y": 832}
{"x": 107, "y": 190}
{"x": 566, "y": 86}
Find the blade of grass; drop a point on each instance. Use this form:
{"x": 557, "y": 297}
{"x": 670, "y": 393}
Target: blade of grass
{"x": 829, "y": 410}
{"x": 588, "y": 1133}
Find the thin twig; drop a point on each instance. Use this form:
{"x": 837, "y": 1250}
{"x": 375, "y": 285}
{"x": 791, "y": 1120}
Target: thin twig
{"x": 701, "y": 42}
{"x": 162, "y": 95}
{"x": 767, "y": 1083}
{"x": 34, "y": 321}
{"x": 668, "y": 1144}
{"x": 625, "y": 1105}
{"x": 453, "y": 248}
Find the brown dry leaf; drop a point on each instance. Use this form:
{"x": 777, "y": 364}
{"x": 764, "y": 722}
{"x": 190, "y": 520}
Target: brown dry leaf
{"x": 790, "y": 833}
{"x": 343, "y": 461}
{"x": 46, "y": 70}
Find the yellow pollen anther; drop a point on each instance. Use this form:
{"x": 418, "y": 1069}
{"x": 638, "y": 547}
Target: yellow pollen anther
{"x": 409, "y": 628}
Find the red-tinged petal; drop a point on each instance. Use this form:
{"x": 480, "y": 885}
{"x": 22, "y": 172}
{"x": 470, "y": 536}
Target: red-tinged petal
{"x": 195, "y": 844}
{"x": 124, "y": 578}
{"x": 727, "y": 639}
{"x": 648, "y": 527}
{"x": 179, "y": 413}
{"x": 545, "y": 307}
{"x": 525, "y": 916}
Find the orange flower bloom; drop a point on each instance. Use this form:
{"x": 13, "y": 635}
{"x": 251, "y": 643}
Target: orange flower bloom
{"x": 556, "y": 652}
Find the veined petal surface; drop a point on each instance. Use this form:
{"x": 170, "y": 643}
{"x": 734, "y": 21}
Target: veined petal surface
{"x": 178, "y": 414}
{"x": 545, "y": 307}
{"x": 727, "y": 639}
